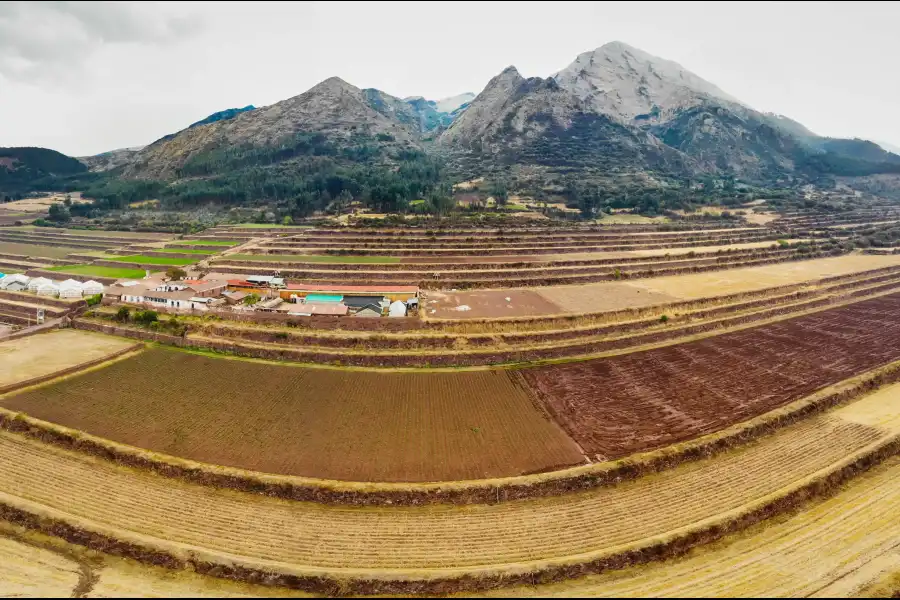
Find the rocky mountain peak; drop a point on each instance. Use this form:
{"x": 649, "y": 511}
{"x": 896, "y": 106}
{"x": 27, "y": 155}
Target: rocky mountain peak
{"x": 627, "y": 83}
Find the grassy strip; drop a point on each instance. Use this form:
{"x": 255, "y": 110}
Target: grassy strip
{"x": 97, "y": 271}
{"x": 153, "y": 260}
{"x": 313, "y": 258}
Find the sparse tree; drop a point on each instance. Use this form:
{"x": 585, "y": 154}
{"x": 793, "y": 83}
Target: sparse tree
{"x": 176, "y": 273}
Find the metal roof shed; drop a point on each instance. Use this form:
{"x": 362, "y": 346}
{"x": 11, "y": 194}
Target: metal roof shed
{"x": 323, "y": 298}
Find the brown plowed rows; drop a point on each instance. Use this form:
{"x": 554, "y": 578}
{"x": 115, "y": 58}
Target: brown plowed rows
{"x": 438, "y": 538}
{"x": 313, "y": 422}
{"x": 625, "y": 404}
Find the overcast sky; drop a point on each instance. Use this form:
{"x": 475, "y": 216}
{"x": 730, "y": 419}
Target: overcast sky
{"x": 83, "y": 78}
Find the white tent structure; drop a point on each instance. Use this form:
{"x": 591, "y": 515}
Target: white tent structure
{"x": 48, "y": 289}
{"x": 92, "y": 288}
{"x": 15, "y": 283}
{"x": 71, "y": 289}
{"x": 397, "y": 309}
{"x": 37, "y": 282}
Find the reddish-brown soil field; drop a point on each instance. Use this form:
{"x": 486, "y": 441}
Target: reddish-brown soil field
{"x": 635, "y": 402}
{"x": 332, "y": 424}
{"x": 487, "y": 304}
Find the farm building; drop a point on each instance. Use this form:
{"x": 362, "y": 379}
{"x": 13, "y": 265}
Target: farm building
{"x": 266, "y": 281}
{"x": 397, "y": 309}
{"x": 242, "y": 285}
{"x": 270, "y": 305}
{"x": 37, "y": 282}
{"x": 120, "y": 289}
{"x": 234, "y": 297}
{"x": 369, "y": 311}
{"x": 393, "y": 293}
{"x": 330, "y": 308}
{"x": 201, "y": 288}
{"x": 15, "y": 283}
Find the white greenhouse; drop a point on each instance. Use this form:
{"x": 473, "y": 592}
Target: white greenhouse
{"x": 71, "y": 289}
{"x": 37, "y": 282}
{"x": 92, "y": 288}
{"x": 14, "y": 283}
{"x": 48, "y": 289}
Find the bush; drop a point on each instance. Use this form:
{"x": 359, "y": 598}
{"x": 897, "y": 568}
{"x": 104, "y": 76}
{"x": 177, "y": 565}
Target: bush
{"x": 95, "y": 300}
{"x": 664, "y": 319}
{"x": 146, "y": 317}
{"x": 123, "y": 315}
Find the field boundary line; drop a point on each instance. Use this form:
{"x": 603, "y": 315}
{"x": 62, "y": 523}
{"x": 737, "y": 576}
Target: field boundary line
{"x": 336, "y": 581}
{"x": 204, "y": 346}
{"x": 480, "y": 491}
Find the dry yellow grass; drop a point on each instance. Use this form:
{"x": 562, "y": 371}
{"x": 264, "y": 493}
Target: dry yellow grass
{"x": 31, "y": 571}
{"x": 836, "y": 548}
{"x": 39, "y": 355}
{"x": 424, "y": 541}
{"x": 596, "y": 297}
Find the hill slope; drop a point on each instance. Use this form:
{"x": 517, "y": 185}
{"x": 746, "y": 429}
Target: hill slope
{"x": 22, "y": 166}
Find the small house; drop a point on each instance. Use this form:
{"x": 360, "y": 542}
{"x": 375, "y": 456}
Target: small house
{"x": 370, "y": 311}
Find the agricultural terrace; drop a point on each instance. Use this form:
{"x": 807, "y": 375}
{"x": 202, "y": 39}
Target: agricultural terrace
{"x": 313, "y": 258}
{"x": 39, "y": 355}
{"x": 99, "y": 271}
{"x": 153, "y": 260}
{"x": 617, "y": 295}
{"x": 320, "y": 423}
{"x": 640, "y": 401}
{"x": 223, "y": 243}
{"x": 501, "y": 543}
{"x": 389, "y": 426}
{"x": 35, "y": 250}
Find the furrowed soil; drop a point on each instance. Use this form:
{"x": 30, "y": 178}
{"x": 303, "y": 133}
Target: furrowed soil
{"x": 43, "y": 354}
{"x": 35, "y": 251}
{"x": 645, "y": 400}
{"x": 320, "y": 423}
{"x": 488, "y": 304}
{"x": 442, "y": 540}
{"x": 596, "y": 297}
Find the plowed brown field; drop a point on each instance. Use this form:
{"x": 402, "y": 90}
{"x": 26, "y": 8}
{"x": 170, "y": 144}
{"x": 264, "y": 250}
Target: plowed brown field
{"x": 645, "y": 400}
{"x": 319, "y": 423}
{"x": 391, "y": 541}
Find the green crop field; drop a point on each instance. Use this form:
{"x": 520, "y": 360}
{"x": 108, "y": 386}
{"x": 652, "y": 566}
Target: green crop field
{"x": 154, "y": 260}
{"x": 98, "y": 271}
{"x": 205, "y": 243}
{"x": 316, "y": 258}
{"x": 184, "y": 251}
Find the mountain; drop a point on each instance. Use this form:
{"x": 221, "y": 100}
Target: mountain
{"x": 614, "y": 112}
{"x": 334, "y": 109}
{"x": 668, "y": 118}
{"x": 630, "y": 85}
{"x": 453, "y": 103}
{"x": 223, "y": 115}
{"x": 20, "y": 167}
{"x": 107, "y": 161}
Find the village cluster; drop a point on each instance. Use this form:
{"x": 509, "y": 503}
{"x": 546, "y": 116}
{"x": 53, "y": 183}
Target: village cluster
{"x": 265, "y": 294}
